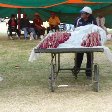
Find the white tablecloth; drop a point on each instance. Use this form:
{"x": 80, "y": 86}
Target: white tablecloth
{"x": 76, "y": 38}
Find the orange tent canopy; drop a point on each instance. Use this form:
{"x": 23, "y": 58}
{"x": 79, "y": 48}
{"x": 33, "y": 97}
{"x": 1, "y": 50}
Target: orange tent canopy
{"x": 12, "y": 6}
{"x": 80, "y": 1}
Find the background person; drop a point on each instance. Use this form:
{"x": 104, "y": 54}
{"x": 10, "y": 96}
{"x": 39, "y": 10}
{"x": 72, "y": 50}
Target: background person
{"x": 12, "y": 26}
{"x": 85, "y": 19}
{"x": 26, "y": 26}
{"x": 101, "y": 22}
{"x": 37, "y": 21}
{"x": 54, "y": 21}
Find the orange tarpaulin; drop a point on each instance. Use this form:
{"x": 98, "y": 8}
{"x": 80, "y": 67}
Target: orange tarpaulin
{"x": 12, "y": 6}
{"x": 80, "y": 1}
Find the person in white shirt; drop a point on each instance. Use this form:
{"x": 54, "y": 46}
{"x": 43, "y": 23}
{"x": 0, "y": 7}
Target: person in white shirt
{"x": 101, "y": 22}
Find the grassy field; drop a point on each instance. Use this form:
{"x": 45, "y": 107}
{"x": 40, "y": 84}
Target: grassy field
{"x": 25, "y": 85}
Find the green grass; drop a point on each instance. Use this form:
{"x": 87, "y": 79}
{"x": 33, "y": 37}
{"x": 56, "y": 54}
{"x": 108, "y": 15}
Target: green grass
{"x": 16, "y": 53}
{"x": 26, "y": 89}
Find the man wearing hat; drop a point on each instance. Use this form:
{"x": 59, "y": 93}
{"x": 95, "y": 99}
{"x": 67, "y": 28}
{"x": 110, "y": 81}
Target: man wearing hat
{"x": 37, "y": 21}
{"x": 85, "y": 19}
{"x": 54, "y": 21}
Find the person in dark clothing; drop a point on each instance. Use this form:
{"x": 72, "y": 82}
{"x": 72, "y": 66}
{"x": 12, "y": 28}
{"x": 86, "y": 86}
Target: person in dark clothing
{"x": 12, "y": 26}
{"x": 26, "y": 27}
{"x": 85, "y": 19}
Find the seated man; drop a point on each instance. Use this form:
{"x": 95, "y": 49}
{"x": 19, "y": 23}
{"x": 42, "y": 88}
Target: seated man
{"x": 37, "y": 21}
{"x": 12, "y": 26}
{"x": 26, "y": 27}
{"x": 54, "y": 21}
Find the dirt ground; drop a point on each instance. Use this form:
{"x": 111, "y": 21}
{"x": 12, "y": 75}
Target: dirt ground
{"x": 79, "y": 98}
{"x": 63, "y": 100}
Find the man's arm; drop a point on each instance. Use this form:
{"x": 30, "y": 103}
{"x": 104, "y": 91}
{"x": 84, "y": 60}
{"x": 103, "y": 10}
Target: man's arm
{"x": 76, "y": 22}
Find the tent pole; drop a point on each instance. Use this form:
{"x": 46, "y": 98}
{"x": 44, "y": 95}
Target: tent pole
{"x": 19, "y": 17}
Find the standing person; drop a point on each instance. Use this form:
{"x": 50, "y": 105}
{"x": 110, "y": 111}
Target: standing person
{"x": 101, "y": 22}
{"x": 37, "y": 21}
{"x": 25, "y": 26}
{"x": 12, "y": 26}
{"x": 54, "y": 21}
{"x": 85, "y": 19}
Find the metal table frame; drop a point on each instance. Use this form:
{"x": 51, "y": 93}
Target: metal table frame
{"x": 55, "y": 64}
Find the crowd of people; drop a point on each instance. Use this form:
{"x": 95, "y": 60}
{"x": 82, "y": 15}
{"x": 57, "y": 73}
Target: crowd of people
{"x": 35, "y": 29}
